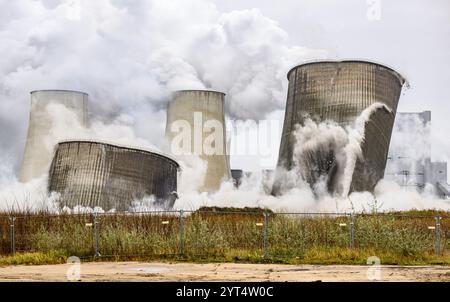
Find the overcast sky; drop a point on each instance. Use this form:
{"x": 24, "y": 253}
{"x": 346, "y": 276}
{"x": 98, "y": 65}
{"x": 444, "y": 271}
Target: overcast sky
{"x": 413, "y": 36}
{"x": 129, "y": 54}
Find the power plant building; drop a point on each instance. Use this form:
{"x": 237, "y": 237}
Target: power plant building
{"x": 97, "y": 174}
{"x": 37, "y": 155}
{"x": 196, "y": 127}
{"x": 339, "y": 91}
{"x": 411, "y": 167}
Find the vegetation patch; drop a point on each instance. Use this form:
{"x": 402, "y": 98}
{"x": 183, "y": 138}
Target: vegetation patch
{"x": 226, "y": 235}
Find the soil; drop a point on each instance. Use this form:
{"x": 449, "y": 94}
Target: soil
{"x": 157, "y": 271}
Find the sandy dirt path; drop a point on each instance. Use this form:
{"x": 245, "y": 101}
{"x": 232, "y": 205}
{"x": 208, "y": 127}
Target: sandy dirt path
{"x": 155, "y": 271}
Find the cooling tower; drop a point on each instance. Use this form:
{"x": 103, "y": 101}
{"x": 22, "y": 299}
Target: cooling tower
{"x": 340, "y": 91}
{"x": 196, "y": 127}
{"x": 37, "y": 155}
{"x": 93, "y": 173}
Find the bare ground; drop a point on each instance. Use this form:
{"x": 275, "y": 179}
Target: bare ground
{"x": 155, "y": 271}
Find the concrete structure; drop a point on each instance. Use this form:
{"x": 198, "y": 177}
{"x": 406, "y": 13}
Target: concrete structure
{"x": 266, "y": 178}
{"x": 37, "y": 155}
{"x": 406, "y": 165}
{"x": 436, "y": 175}
{"x": 411, "y": 167}
{"x": 92, "y": 173}
{"x": 196, "y": 127}
{"x": 237, "y": 175}
{"x": 340, "y": 91}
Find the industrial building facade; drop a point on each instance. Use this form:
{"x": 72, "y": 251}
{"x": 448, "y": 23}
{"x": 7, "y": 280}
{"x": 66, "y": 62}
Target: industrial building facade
{"x": 339, "y": 91}
{"x": 97, "y": 174}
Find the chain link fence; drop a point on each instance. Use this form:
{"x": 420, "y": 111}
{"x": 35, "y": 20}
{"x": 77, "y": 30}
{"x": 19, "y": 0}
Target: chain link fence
{"x": 5, "y": 236}
{"x": 70, "y": 234}
{"x": 138, "y": 234}
{"x": 294, "y": 234}
{"x": 404, "y": 235}
{"x": 444, "y": 234}
{"x": 222, "y": 234}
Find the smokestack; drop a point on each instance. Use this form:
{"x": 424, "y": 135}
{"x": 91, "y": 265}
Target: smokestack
{"x": 340, "y": 91}
{"x": 37, "y": 158}
{"x": 196, "y": 119}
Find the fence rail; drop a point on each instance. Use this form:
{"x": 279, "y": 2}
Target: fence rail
{"x": 216, "y": 233}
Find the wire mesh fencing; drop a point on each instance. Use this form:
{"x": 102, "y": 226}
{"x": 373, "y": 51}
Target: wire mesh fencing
{"x": 138, "y": 234}
{"x": 209, "y": 233}
{"x": 71, "y": 234}
{"x": 222, "y": 234}
{"x": 5, "y": 236}
{"x": 405, "y": 235}
{"x": 294, "y": 234}
{"x": 444, "y": 234}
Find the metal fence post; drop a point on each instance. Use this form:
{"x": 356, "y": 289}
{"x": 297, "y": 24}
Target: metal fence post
{"x": 96, "y": 236}
{"x": 352, "y": 231}
{"x": 266, "y": 235}
{"x": 438, "y": 235}
{"x": 12, "y": 234}
{"x": 181, "y": 233}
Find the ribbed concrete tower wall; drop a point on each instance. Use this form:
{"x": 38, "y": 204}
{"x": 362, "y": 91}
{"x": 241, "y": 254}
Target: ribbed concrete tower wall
{"x": 339, "y": 91}
{"x": 189, "y": 106}
{"x": 37, "y": 157}
{"x": 90, "y": 173}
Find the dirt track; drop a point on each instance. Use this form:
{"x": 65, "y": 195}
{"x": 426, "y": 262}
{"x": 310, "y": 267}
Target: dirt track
{"x": 138, "y": 271}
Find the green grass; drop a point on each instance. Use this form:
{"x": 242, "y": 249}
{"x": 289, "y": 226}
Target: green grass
{"x": 232, "y": 236}
{"x": 38, "y": 258}
{"x": 334, "y": 256}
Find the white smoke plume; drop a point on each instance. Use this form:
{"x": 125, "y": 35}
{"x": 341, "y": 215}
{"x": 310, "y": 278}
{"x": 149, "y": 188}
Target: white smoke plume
{"x": 129, "y": 56}
{"x": 66, "y": 125}
{"x": 410, "y": 149}
{"x": 387, "y": 196}
{"x": 27, "y": 197}
{"x": 298, "y": 195}
{"x": 344, "y": 143}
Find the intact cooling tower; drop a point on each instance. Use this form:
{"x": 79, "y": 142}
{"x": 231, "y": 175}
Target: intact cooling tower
{"x": 92, "y": 173}
{"x": 203, "y": 113}
{"x": 37, "y": 155}
{"x": 340, "y": 91}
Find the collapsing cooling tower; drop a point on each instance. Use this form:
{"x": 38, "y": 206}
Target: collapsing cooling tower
{"x": 37, "y": 155}
{"x": 97, "y": 174}
{"x": 340, "y": 91}
{"x": 203, "y": 112}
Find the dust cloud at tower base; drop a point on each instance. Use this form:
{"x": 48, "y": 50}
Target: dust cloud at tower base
{"x": 355, "y": 102}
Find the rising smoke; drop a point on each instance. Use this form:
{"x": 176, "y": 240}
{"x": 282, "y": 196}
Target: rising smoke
{"x": 129, "y": 56}
{"x": 296, "y": 194}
